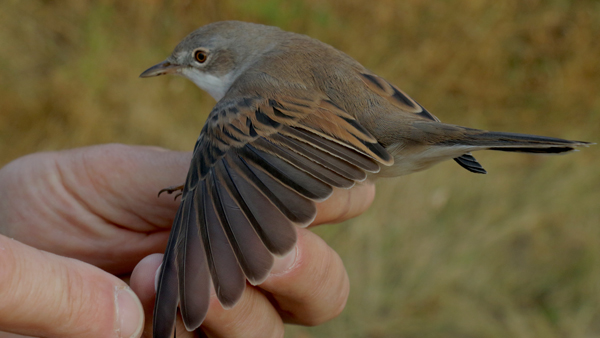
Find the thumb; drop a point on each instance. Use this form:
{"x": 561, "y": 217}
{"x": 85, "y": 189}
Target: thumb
{"x": 42, "y": 294}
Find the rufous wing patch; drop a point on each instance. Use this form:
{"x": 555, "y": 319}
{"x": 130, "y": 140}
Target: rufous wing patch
{"x": 395, "y": 96}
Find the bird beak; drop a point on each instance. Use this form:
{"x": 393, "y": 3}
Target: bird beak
{"x": 162, "y": 68}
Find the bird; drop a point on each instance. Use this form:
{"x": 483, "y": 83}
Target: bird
{"x": 294, "y": 119}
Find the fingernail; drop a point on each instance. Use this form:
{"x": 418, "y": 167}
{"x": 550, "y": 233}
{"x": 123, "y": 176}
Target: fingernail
{"x": 156, "y": 277}
{"x": 213, "y": 293}
{"x": 130, "y": 314}
{"x": 285, "y": 263}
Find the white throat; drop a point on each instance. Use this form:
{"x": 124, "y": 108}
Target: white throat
{"x": 215, "y": 86}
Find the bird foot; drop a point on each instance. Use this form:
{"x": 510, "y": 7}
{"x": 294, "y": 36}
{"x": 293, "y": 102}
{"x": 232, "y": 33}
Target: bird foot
{"x": 172, "y": 189}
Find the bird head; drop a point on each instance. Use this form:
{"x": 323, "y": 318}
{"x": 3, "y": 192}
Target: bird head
{"x": 213, "y": 56}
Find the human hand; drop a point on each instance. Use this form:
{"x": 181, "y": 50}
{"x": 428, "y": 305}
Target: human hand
{"x": 88, "y": 204}
{"x": 99, "y": 205}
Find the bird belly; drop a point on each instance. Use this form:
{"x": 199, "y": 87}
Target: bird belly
{"x": 408, "y": 160}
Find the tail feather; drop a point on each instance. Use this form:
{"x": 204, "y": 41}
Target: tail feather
{"x": 523, "y": 143}
{"x": 422, "y": 144}
{"x": 534, "y": 150}
{"x": 511, "y": 142}
{"x": 469, "y": 162}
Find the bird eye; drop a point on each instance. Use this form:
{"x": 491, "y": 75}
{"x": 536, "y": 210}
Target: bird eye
{"x": 200, "y": 56}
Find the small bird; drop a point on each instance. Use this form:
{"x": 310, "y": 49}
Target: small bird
{"x": 294, "y": 118}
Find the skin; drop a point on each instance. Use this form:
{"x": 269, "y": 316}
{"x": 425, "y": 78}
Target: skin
{"x": 73, "y": 220}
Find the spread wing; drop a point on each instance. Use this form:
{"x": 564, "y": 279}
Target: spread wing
{"x": 258, "y": 167}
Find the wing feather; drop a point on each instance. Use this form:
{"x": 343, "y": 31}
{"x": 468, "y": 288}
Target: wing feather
{"x": 254, "y": 258}
{"x": 193, "y": 276}
{"x": 399, "y": 99}
{"x": 305, "y": 164}
{"x": 340, "y": 150}
{"x": 165, "y": 304}
{"x": 227, "y": 276}
{"x": 325, "y": 159}
{"x": 295, "y": 207}
{"x": 287, "y": 174}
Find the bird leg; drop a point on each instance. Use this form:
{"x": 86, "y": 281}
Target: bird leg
{"x": 172, "y": 189}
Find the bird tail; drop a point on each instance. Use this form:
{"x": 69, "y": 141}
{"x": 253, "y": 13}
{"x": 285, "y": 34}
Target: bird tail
{"x": 511, "y": 142}
{"x": 522, "y": 143}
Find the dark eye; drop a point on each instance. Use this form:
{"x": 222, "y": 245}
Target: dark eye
{"x": 200, "y": 56}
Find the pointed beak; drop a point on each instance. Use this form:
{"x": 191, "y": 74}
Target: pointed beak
{"x": 162, "y": 68}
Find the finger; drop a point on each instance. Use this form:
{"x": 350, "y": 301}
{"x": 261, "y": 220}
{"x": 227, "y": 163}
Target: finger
{"x": 100, "y": 199}
{"x": 45, "y": 295}
{"x": 310, "y": 286}
{"x": 252, "y": 317}
{"x": 345, "y": 204}
{"x": 142, "y": 282}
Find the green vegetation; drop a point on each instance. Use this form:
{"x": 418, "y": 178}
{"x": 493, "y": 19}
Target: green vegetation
{"x": 442, "y": 253}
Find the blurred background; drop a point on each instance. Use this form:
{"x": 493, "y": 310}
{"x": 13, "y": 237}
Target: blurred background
{"x": 441, "y": 253}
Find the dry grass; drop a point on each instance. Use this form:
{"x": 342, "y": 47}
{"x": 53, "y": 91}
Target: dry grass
{"x": 444, "y": 253}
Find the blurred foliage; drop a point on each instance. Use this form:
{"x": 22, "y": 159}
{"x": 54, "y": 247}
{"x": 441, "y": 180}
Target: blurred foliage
{"x": 443, "y": 253}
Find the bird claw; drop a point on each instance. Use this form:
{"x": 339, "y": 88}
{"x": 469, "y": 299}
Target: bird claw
{"x": 172, "y": 189}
